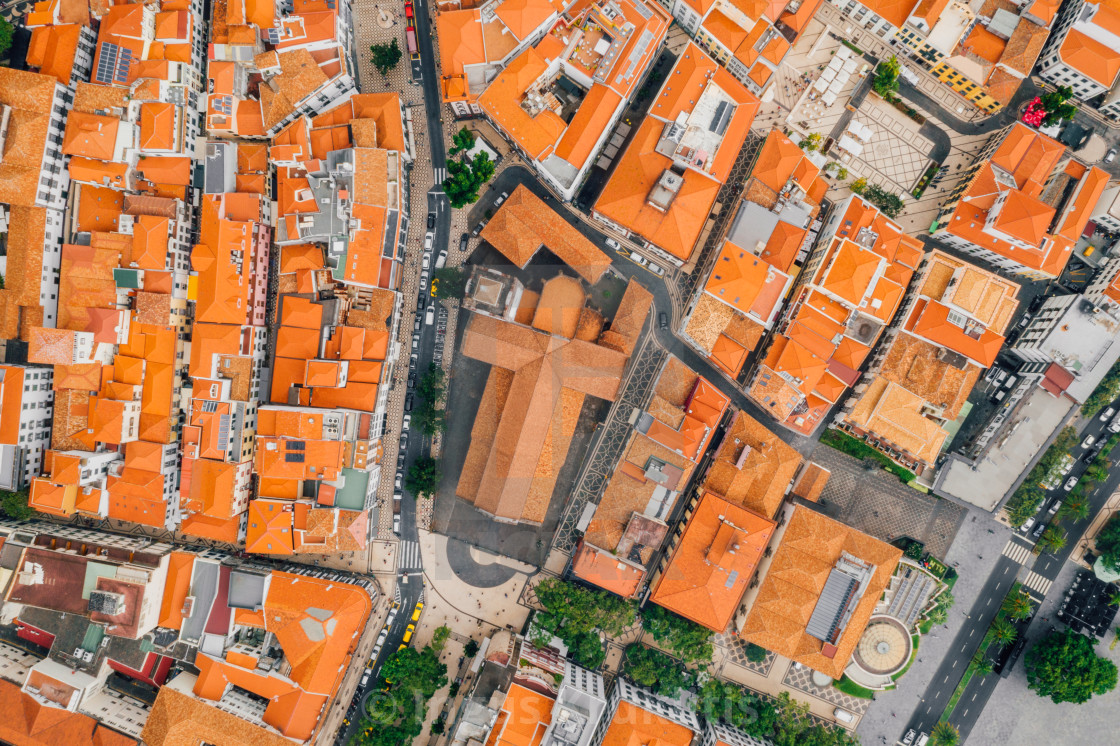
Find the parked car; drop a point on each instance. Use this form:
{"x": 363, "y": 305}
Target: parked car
{"x": 663, "y": 320}
{"x": 1055, "y": 507}
{"x": 638, "y": 259}
{"x": 1038, "y": 529}
{"x": 614, "y": 244}
{"x": 843, "y": 715}
{"x": 426, "y": 263}
{"x": 1107, "y": 414}
{"x": 1027, "y": 525}
{"x": 412, "y": 380}
{"x": 430, "y": 315}
{"x": 1068, "y": 485}
{"x": 441, "y": 259}
{"x": 398, "y": 479}
{"x": 365, "y": 680}
{"x": 417, "y": 610}
{"x": 428, "y": 238}
{"x": 1089, "y": 440}
{"x": 1114, "y": 426}
{"x": 406, "y": 423}
{"x": 1110, "y": 156}
{"x": 401, "y": 459}
{"x": 408, "y": 403}
{"x": 431, "y": 220}
{"x": 408, "y": 632}
{"x": 397, "y": 524}
{"x": 908, "y": 739}
{"x": 657, "y": 269}
{"x": 463, "y": 239}
{"x": 423, "y": 282}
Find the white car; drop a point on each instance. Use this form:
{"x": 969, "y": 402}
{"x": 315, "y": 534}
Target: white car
{"x": 638, "y": 259}
{"x": 1089, "y": 440}
{"x": 1106, "y": 414}
{"x": 1027, "y": 525}
{"x": 614, "y": 244}
{"x": 441, "y": 259}
{"x": 1055, "y": 507}
{"x": 406, "y": 423}
{"x": 426, "y": 262}
{"x": 657, "y": 269}
{"x": 1066, "y": 487}
{"x": 430, "y": 315}
{"x": 428, "y": 238}
{"x": 397, "y": 524}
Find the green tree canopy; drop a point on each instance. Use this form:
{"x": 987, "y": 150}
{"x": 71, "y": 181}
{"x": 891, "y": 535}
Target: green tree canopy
{"x": 429, "y": 416}
{"x": 858, "y": 185}
{"x": 6, "y": 32}
{"x": 1064, "y": 667}
{"x": 1055, "y": 103}
{"x": 686, "y": 639}
{"x": 1053, "y": 540}
{"x": 423, "y": 477}
{"x": 465, "y": 178}
{"x": 14, "y": 505}
{"x": 1017, "y": 606}
{"x": 1075, "y": 507}
{"x": 655, "y": 670}
{"x": 885, "y": 82}
{"x": 439, "y": 637}
{"x": 944, "y": 734}
{"x": 396, "y": 714}
{"x": 1108, "y": 544}
{"x": 755, "y": 653}
{"x": 754, "y": 714}
{"x": 462, "y": 140}
{"x": 890, "y": 204}
{"x": 577, "y": 614}
{"x": 1003, "y": 632}
{"x": 452, "y": 282}
{"x": 386, "y": 56}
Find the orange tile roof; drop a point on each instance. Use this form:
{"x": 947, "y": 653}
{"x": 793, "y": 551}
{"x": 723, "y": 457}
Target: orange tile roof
{"x": 27, "y": 721}
{"x": 931, "y": 321}
{"x": 1084, "y": 202}
{"x": 746, "y": 282}
{"x": 849, "y": 271}
{"x": 607, "y": 571}
{"x": 525, "y": 223}
{"x": 179, "y": 569}
{"x": 623, "y": 200}
{"x": 1095, "y": 60}
{"x": 1024, "y": 218}
{"x": 894, "y": 12}
{"x": 527, "y": 716}
{"x": 157, "y": 126}
{"x": 984, "y": 44}
{"x": 501, "y": 102}
{"x": 713, "y": 562}
{"x": 634, "y": 726}
{"x": 90, "y": 135}
{"x": 809, "y": 549}
{"x": 587, "y": 126}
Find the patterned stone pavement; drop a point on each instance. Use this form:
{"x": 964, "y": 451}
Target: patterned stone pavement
{"x": 879, "y": 504}
{"x": 735, "y": 648}
{"x": 801, "y": 677}
{"x": 894, "y": 150}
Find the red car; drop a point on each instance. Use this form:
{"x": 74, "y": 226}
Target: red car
{"x": 408, "y": 11}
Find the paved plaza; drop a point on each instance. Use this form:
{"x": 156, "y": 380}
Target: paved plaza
{"x": 895, "y": 150}
{"x": 877, "y": 503}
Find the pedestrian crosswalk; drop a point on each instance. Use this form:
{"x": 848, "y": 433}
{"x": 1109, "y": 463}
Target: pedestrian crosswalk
{"x": 440, "y": 174}
{"x": 1038, "y": 583}
{"x": 1017, "y": 551}
{"x": 410, "y": 555}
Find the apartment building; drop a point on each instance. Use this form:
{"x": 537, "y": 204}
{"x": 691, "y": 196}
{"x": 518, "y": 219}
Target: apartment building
{"x": 557, "y": 102}
{"x": 26, "y": 401}
{"x": 949, "y": 330}
{"x": 984, "y": 53}
{"x": 662, "y": 190}
{"x": 749, "y": 38}
{"x": 271, "y": 64}
{"x": 168, "y": 642}
{"x": 624, "y": 534}
{"x": 1083, "y": 53}
{"x": 479, "y": 42}
{"x": 1023, "y": 204}
{"x": 636, "y": 715}
{"x": 848, "y": 292}
{"x": 769, "y": 237}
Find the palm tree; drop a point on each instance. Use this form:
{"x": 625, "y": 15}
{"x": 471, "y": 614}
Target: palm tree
{"x": 1075, "y": 507}
{"x": 1053, "y": 540}
{"x": 1017, "y": 606}
{"x": 983, "y": 666}
{"x": 944, "y": 734}
{"x": 1003, "y": 632}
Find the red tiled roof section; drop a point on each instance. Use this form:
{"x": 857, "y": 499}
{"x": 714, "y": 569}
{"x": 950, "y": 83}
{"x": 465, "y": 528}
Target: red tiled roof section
{"x": 713, "y": 563}
{"x": 524, "y": 224}
{"x": 24, "y": 721}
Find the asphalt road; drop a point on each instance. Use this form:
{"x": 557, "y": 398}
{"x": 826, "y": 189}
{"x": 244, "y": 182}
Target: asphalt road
{"x": 410, "y": 579}
{"x": 971, "y": 705}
